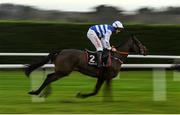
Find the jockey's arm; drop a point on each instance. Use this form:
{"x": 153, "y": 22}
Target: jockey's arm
{"x": 106, "y": 40}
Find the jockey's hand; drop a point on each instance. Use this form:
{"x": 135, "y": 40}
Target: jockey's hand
{"x": 113, "y": 49}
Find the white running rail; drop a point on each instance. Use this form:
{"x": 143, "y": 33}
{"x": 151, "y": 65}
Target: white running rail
{"x": 6, "y": 66}
{"x": 130, "y": 56}
{"x": 138, "y": 66}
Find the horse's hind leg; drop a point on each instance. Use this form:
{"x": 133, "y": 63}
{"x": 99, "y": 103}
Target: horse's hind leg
{"x": 50, "y": 78}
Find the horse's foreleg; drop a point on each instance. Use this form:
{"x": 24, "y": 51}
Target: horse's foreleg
{"x": 99, "y": 83}
{"x": 108, "y": 91}
{"x": 50, "y": 78}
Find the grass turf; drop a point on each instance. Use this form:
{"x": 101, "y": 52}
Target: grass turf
{"x": 132, "y": 93}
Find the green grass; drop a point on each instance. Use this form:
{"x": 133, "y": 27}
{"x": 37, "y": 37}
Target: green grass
{"x": 133, "y": 93}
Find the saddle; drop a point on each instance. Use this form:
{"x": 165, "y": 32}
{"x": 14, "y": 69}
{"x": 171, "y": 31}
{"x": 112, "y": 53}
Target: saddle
{"x": 91, "y": 58}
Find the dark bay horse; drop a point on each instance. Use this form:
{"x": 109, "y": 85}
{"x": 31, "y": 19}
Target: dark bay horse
{"x": 69, "y": 60}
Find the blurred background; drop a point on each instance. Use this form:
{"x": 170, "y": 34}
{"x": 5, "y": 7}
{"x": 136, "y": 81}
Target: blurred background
{"x": 42, "y": 26}
{"x": 130, "y": 12}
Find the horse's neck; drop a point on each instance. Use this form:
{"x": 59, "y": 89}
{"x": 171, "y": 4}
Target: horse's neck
{"x": 125, "y": 47}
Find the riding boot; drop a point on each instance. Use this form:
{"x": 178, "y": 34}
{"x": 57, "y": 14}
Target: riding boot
{"x": 99, "y": 59}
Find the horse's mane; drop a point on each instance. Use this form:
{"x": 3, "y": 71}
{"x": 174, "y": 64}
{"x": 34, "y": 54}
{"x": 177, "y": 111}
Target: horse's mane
{"x": 123, "y": 42}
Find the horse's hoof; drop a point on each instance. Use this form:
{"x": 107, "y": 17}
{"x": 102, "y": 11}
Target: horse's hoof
{"x": 33, "y": 93}
{"x": 80, "y": 95}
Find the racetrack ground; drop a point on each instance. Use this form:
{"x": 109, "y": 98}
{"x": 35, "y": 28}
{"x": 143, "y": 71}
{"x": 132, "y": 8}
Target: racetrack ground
{"x": 132, "y": 93}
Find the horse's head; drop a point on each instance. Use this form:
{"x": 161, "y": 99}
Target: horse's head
{"x": 136, "y": 46}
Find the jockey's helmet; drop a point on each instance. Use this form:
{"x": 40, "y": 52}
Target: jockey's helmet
{"x": 118, "y": 25}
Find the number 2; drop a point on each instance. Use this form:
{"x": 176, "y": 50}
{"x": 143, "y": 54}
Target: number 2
{"x": 92, "y": 57}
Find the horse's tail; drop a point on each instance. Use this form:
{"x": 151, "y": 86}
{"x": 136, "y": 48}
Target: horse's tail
{"x": 34, "y": 66}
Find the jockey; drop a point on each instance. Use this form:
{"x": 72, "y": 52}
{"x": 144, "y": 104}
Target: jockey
{"x": 100, "y": 35}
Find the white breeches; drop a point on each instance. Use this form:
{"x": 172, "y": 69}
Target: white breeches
{"x": 99, "y": 44}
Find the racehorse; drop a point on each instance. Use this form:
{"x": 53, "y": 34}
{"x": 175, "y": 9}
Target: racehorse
{"x": 69, "y": 60}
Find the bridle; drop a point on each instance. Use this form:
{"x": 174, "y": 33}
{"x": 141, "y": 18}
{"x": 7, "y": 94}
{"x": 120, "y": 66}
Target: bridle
{"x": 137, "y": 43}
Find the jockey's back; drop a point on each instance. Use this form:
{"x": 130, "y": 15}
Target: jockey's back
{"x": 102, "y": 30}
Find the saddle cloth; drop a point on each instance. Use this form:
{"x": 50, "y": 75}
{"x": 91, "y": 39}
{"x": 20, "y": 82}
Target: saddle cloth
{"x": 91, "y": 58}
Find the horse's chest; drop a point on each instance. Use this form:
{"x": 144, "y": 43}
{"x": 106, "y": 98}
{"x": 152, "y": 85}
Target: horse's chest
{"x": 111, "y": 72}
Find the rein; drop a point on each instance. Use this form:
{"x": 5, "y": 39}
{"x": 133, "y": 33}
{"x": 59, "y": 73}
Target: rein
{"x": 119, "y": 58}
{"x": 122, "y": 53}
